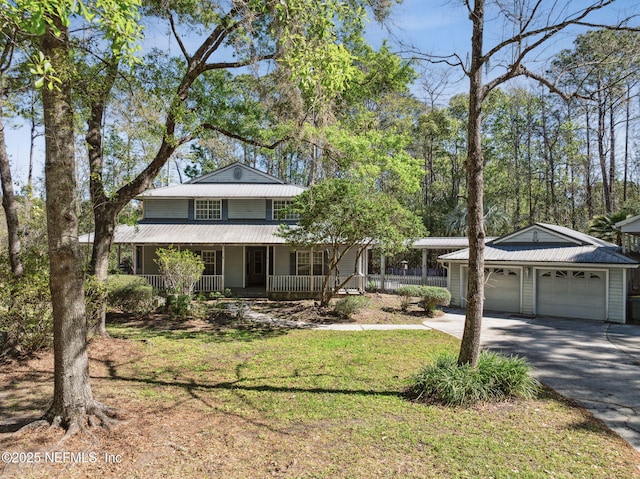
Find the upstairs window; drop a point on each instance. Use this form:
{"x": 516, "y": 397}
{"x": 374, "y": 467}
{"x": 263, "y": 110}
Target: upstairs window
{"x": 279, "y": 211}
{"x": 208, "y": 209}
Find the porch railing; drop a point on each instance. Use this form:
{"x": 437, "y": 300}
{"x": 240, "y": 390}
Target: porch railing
{"x": 393, "y": 282}
{"x": 208, "y": 282}
{"x": 305, "y": 284}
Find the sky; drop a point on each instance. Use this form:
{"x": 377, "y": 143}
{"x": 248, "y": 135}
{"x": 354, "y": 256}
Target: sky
{"x": 437, "y": 27}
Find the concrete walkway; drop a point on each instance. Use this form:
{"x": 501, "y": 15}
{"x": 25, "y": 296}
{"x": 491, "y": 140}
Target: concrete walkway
{"x": 596, "y": 364}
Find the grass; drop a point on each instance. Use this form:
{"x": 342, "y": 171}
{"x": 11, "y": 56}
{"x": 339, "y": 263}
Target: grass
{"x": 256, "y": 402}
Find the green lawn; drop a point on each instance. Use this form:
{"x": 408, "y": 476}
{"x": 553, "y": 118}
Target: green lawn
{"x": 244, "y": 402}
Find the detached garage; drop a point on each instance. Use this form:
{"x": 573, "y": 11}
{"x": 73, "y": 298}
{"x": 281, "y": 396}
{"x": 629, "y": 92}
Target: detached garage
{"x": 548, "y": 270}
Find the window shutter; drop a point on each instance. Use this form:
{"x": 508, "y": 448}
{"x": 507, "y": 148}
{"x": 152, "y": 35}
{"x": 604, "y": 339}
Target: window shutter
{"x": 218, "y": 262}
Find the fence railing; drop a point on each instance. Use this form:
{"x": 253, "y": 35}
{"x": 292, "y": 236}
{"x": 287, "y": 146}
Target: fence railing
{"x": 393, "y": 282}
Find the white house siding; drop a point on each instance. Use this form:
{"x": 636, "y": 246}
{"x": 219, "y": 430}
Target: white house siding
{"x": 528, "y": 294}
{"x": 149, "y": 265}
{"x": 617, "y": 295}
{"x": 281, "y": 260}
{"x": 175, "y": 209}
{"x": 234, "y": 267}
{"x": 247, "y": 209}
{"x": 453, "y": 274}
{"x": 346, "y": 265}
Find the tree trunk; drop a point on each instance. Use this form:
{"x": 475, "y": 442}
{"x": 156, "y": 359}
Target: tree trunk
{"x": 627, "y": 118}
{"x": 612, "y": 157}
{"x": 9, "y": 202}
{"x": 72, "y": 396}
{"x": 105, "y": 221}
{"x": 602, "y": 155}
{"x": 587, "y": 169}
{"x": 470, "y": 346}
{"x": 104, "y": 211}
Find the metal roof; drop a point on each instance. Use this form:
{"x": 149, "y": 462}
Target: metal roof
{"x": 224, "y": 190}
{"x": 580, "y": 248}
{"x": 443, "y": 242}
{"x": 630, "y": 225}
{"x": 546, "y": 254}
{"x": 194, "y": 234}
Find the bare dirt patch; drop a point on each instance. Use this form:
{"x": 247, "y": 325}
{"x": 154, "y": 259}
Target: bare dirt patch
{"x": 383, "y": 308}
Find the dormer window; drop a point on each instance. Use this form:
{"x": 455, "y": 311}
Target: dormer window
{"x": 279, "y": 207}
{"x": 208, "y": 209}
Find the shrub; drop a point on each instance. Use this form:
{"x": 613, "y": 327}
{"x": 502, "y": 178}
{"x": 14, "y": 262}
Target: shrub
{"x": 95, "y": 296}
{"x": 496, "y": 378}
{"x": 129, "y": 293}
{"x": 349, "y": 305}
{"x": 178, "y": 305}
{"x": 406, "y": 293}
{"x": 26, "y": 315}
{"x": 181, "y": 270}
{"x": 432, "y": 296}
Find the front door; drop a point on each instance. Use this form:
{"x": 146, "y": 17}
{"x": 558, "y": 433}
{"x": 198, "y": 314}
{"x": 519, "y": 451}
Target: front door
{"x": 256, "y": 266}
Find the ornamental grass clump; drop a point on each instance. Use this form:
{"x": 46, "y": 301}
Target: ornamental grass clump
{"x": 496, "y": 378}
{"x": 350, "y": 305}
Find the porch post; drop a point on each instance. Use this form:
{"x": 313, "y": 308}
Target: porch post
{"x": 383, "y": 267}
{"x": 266, "y": 271}
{"x": 134, "y": 257}
{"x": 424, "y": 266}
{"x": 223, "y": 261}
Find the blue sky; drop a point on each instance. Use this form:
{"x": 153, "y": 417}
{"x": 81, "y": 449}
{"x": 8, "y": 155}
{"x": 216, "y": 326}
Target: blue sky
{"x": 437, "y": 27}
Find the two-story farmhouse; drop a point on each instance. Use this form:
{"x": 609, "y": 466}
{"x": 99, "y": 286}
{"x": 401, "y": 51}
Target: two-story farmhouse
{"x": 230, "y": 218}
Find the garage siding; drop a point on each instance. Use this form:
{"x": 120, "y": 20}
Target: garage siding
{"x": 528, "y": 294}
{"x": 454, "y": 284}
{"x": 617, "y": 296}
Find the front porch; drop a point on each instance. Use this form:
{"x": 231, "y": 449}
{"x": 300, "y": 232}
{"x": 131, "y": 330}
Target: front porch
{"x": 300, "y": 285}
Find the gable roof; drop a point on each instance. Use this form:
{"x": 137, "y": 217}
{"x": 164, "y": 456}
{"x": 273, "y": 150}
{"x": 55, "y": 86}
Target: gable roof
{"x": 560, "y": 234}
{"x": 237, "y": 172}
{"x": 558, "y": 245}
{"x": 233, "y": 181}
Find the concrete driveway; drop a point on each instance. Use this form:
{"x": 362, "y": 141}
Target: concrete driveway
{"x": 597, "y": 364}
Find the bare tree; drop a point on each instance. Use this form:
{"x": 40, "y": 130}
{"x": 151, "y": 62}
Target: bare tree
{"x": 9, "y": 202}
{"x": 533, "y": 23}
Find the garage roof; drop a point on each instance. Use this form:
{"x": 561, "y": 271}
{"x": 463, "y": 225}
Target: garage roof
{"x": 563, "y": 245}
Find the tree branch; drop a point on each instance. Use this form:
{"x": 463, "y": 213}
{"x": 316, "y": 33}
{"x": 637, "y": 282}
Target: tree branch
{"x": 177, "y": 37}
{"x": 238, "y": 64}
{"x": 249, "y": 141}
{"x": 548, "y": 31}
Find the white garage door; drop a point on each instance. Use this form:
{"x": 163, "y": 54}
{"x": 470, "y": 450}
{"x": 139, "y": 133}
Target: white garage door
{"x": 502, "y": 289}
{"x": 571, "y": 294}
